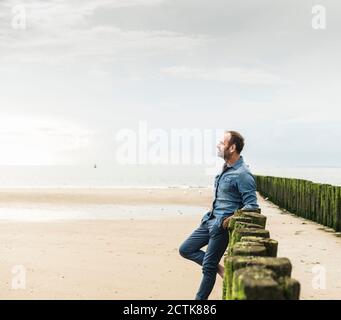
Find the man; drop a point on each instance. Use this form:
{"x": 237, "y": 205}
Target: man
{"x": 234, "y": 188}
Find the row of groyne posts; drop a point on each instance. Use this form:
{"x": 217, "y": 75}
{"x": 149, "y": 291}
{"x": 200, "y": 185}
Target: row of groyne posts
{"x": 318, "y": 202}
{"x": 252, "y": 269}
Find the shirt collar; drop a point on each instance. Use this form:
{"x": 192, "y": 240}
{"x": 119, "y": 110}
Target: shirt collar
{"x": 237, "y": 164}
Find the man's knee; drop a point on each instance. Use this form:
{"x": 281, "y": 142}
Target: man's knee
{"x": 184, "y": 251}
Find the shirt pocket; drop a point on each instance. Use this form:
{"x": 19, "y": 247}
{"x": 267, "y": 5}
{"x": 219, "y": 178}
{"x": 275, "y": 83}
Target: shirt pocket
{"x": 227, "y": 183}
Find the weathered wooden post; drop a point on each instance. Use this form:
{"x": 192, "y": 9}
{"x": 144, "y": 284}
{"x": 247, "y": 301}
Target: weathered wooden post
{"x": 252, "y": 270}
{"x": 270, "y": 245}
{"x": 261, "y": 283}
{"x": 280, "y": 266}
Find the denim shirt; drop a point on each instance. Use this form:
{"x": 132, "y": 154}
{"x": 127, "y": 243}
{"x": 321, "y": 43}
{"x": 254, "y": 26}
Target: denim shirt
{"x": 234, "y": 188}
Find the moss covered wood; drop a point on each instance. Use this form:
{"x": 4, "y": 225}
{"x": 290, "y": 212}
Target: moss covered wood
{"x": 314, "y": 201}
{"x": 261, "y": 283}
{"x": 280, "y": 266}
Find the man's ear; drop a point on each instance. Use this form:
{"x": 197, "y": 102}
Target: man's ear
{"x": 233, "y": 148}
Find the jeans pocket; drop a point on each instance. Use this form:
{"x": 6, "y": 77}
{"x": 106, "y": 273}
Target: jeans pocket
{"x": 215, "y": 226}
{"x": 205, "y": 216}
{"x": 220, "y": 222}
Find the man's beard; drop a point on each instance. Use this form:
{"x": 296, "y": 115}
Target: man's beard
{"x": 226, "y": 155}
{"x": 220, "y": 154}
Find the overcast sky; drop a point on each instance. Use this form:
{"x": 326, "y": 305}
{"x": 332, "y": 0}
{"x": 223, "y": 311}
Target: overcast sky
{"x": 84, "y": 69}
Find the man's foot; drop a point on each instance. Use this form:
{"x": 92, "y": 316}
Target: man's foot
{"x": 221, "y": 270}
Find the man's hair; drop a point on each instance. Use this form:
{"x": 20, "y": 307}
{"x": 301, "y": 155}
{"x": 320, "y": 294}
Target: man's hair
{"x": 237, "y": 139}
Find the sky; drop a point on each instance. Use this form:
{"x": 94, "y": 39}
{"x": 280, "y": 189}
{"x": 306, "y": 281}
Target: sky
{"x": 78, "y": 74}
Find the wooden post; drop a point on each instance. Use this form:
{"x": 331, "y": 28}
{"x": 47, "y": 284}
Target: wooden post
{"x": 261, "y": 283}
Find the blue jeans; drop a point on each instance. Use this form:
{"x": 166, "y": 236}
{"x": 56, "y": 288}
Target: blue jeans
{"x": 212, "y": 234}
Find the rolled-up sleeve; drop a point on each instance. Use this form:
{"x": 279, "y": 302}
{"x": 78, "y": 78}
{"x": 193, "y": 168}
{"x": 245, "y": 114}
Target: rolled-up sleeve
{"x": 247, "y": 188}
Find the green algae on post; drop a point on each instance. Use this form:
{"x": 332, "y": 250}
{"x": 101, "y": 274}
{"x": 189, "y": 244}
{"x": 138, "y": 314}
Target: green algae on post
{"x": 314, "y": 201}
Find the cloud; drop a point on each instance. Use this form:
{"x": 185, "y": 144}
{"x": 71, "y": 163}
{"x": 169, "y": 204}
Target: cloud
{"x": 58, "y": 31}
{"x": 82, "y": 6}
{"x": 46, "y": 15}
{"x": 233, "y": 75}
{"x": 104, "y": 43}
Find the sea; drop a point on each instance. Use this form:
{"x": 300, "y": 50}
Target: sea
{"x": 141, "y": 176}
{"x": 115, "y": 176}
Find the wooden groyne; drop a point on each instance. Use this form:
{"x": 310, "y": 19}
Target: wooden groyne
{"x": 314, "y": 201}
{"x": 252, "y": 269}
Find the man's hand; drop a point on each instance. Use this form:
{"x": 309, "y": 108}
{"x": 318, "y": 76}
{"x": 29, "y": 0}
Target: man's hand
{"x": 226, "y": 222}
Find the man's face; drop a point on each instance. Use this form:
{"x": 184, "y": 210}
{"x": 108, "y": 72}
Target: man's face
{"x": 224, "y": 146}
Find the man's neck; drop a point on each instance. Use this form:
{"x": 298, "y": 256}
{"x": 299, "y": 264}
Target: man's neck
{"x": 233, "y": 160}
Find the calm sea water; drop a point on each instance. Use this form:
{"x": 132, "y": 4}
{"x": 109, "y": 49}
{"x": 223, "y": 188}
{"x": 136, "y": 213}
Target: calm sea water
{"x": 116, "y": 176}
{"x": 141, "y": 176}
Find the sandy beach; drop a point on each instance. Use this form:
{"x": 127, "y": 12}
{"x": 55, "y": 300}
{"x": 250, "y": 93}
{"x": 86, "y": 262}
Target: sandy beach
{"x": 136, "y": 256}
